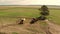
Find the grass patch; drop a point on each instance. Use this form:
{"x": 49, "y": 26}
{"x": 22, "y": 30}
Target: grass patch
{"x": 54, "y": 16}
{"x": 29, "y": 12}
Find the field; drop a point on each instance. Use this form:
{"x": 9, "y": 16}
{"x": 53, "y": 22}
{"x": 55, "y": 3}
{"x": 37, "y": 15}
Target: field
{"x": 10, "y": 15}
{"x": 28, "y": 12}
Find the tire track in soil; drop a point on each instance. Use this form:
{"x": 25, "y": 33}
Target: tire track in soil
{"x": 53, "y": 28}
{"x": 11, "y": 26}
{"x": 14, "y": 26}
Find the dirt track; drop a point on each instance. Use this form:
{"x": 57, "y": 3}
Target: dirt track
{"x": 53, "y": 28}
{"x": 22, "y": 29}
{"x": 25, "y": 28}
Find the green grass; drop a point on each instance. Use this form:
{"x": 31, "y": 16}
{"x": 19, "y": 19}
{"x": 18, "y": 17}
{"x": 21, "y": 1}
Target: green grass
{"x": 29, "y": 12}
{"x": 54, "y": 16}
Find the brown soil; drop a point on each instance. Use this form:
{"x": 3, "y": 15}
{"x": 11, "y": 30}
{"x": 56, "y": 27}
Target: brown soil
{"x": 25, "y": 28}
{"x": 28, "y": 28}
{"x": 53, "y": 28}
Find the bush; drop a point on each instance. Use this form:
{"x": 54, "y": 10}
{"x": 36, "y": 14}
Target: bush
{"x": 44, "y": 10}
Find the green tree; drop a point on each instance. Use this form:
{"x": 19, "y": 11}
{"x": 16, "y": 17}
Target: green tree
{"x": 44, "y": 10}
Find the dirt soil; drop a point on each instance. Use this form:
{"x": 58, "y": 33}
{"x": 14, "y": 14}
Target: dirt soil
{"x": 53, "y": 28}
{"x": 28, "y": 28}
{"x": 25, "y": 28}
